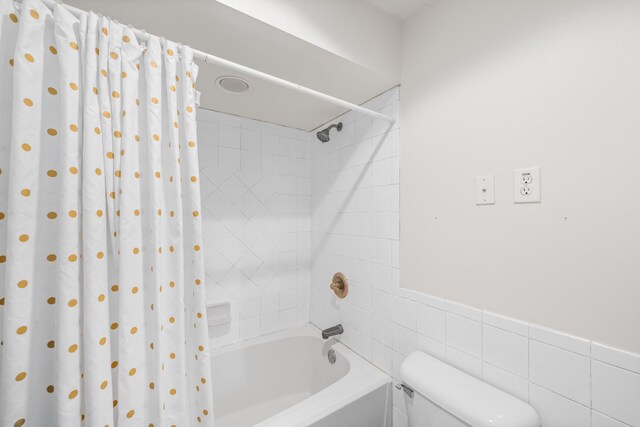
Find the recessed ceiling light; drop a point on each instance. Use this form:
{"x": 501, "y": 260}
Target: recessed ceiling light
{"x": 233, "y": 84}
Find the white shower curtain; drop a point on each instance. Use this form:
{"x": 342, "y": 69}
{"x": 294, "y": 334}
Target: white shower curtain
{"x": 102, "y": 319}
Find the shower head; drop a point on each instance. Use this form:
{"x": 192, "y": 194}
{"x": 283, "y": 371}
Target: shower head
{"x": 323, "y": 135}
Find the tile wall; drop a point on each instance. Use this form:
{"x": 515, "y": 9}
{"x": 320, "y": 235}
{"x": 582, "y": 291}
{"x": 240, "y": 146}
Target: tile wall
{"x": 255, "y": 185}
{"x": 570, "y": 381}
{"x": 282, "y": 213}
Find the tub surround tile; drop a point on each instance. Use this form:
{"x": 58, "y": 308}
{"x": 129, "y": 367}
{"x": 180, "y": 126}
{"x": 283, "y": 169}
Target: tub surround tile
{"x": 382, "y": 357}
{"x": 382, "y": 330}
{"x": 250, "y": 206}
{"x": 381, "y": 303}
{"x": 561, "y": 371}
{"x": 249, "y": 328}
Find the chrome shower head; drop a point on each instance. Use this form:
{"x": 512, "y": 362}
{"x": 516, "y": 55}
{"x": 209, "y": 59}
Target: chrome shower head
{"x": 323, "y": 135}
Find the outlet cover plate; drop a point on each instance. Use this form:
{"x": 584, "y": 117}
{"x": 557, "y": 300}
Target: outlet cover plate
{"x": 527, "y": 185}
{"x": 485, "y": 190}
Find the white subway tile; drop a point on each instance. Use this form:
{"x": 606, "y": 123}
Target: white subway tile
{"x": 560, "y": 339}
{"x": 381, "y": 303}
{"x": 287, "y": 319}
{"x": 404, "y": 312}
{"x": 382, "y": 330}
{"x": 430, "y": 346}
{"x": 557, "y": 411}
{"x": 464, "y": 362}
{"x": 506, "y": 350}
{"x": 422, "y": 298}
{"x": 561, "y": 371}
{"x": 464, "y": 334}
{"x": 397, "y": 361}
{"x": 229, "y": 136}
{"x": 382, "y": 357}
{"x": 269, "y": 323}
{"x": 382, "y": 252}
{"x": 506, "y": 323}
{"x": 249, "y": 328}
{"x": 505, "y": 381}
{"x": 249, "y": 307}
{"x": 464, "y": 310}
{"x": 404, "y": 340}
{"x": 616, "y": 392}
{"x": 601, "y": 420}
{"x": 250, "y": 140}
{"x": 431, "y": 322}
{"x": 613, "y": 356}
{"x": 364, "y": 297}
{"x": 363, "y": 344}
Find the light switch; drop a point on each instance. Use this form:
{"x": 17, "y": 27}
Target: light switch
{"x": 485, "y": 190}
{"x": 526, "y": 185}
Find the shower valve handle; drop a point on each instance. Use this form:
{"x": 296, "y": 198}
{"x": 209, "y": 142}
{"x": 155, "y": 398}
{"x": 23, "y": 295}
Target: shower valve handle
{"x": 339, "y": 285}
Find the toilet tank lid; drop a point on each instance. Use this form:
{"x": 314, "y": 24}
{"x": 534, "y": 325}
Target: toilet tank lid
{"x": 467, "y": 398}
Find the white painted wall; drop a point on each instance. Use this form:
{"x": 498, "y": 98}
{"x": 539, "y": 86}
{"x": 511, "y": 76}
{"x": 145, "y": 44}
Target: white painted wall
{"x": 354, "y": 29}
{"x": 495, "y": 85}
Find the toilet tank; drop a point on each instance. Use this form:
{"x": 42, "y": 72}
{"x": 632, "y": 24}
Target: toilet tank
{"x": 444, "y": 396}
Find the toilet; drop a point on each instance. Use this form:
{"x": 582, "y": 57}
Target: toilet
{"x": 439, "y": 395}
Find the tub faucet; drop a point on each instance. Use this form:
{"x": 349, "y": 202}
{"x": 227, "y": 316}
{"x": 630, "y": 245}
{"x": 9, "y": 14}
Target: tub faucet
{"x": 332, "y": 331}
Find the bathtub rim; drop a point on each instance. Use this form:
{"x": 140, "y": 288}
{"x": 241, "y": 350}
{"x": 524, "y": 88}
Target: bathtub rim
{"x": 361, "y": 379}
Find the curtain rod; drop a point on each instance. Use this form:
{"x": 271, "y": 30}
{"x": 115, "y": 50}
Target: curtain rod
{"x": 212, "y": 59}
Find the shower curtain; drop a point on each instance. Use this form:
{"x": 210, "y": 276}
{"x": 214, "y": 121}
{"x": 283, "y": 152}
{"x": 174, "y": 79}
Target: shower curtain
{"x": 102, "y": 317}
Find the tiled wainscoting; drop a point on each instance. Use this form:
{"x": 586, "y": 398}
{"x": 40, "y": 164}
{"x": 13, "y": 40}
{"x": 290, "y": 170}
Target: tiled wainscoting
{"x": 254, "y": 180}
{"x": 570, "y": 381}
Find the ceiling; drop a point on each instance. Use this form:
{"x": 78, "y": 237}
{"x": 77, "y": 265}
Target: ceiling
{"x": 225, "y": 32}
{"x": 402, "y": 9}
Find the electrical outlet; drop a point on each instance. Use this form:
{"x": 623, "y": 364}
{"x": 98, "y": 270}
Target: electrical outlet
{"x": 526, "y": 185}
{"x": 485, "y": 190}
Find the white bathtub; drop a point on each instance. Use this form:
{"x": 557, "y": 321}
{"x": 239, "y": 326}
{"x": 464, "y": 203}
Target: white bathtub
{"x": 285, "y": 379}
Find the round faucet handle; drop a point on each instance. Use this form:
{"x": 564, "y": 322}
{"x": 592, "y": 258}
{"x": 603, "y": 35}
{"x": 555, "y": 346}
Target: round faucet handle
{"x": 339, "y": 285}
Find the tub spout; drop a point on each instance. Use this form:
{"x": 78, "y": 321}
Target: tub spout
{"x": 332, "y": 331}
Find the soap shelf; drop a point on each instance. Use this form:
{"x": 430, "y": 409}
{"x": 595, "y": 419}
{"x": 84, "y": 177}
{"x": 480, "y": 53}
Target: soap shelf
{"x": 218, "y": 312}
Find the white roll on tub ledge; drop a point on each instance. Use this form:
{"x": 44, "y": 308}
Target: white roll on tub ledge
{"x": 463, "y": 396}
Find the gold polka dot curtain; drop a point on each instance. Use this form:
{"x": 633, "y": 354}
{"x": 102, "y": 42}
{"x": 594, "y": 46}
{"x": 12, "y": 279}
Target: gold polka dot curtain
{"x": 102, "y": 319}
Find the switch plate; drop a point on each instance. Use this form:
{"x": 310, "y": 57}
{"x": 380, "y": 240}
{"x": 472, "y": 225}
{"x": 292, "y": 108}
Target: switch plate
{"x": 485, "y": 190}
{"x": 527, "y": 185}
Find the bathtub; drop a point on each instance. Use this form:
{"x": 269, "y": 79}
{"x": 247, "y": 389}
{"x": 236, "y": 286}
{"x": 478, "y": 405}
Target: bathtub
{"x": 285, "y": 379}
